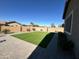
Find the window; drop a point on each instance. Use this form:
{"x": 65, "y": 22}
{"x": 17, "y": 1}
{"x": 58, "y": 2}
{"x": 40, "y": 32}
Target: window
{"x": 68, "y": 23}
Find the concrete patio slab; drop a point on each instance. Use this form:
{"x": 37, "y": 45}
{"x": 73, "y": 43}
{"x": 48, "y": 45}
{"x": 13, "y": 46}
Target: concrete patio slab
{"x": 14, "y": 48}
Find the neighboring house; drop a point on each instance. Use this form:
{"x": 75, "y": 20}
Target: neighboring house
{"x": 13, "y": 26}
{"x": 2, "y": 23}
{"x": 71, "y": 18}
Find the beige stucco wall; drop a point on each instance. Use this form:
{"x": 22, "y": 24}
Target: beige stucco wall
{"x": 59, "y": 29}
{"x": 39, "y": 28}
{"x": 51, "y": 29}
{"x": 24, "y": 29}
{"x": 45, "y": 29}
{"x": 14, "y": 27}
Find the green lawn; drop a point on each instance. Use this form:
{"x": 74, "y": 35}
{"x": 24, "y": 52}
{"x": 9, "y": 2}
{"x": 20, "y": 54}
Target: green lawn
{"x": 35, "y": 37}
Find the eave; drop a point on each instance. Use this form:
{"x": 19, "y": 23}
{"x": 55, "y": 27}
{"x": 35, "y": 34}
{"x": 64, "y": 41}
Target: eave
{"x": 66, "y": 7}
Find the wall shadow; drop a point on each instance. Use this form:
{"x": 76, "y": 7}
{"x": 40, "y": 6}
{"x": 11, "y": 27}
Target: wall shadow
{"x": 40, "y": 49}
{"x": 51, "y": 51}
{"x": 46, "y": 40}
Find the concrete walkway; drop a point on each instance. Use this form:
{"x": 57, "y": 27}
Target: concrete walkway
{"x": 51, "y": 52}
{"x": 13, "y": 48}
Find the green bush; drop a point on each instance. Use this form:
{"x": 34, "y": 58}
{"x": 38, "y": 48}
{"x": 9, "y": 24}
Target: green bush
{"x": 64, "y": 43}
{"x": 6, "y": 31}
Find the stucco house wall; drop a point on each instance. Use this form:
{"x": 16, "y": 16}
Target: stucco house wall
{"x": 13, "y": 27}
{"x": 75, "y": 28}
{"x": 69, "y": 10}
{"x": 25, "y": 29}
{"x": 73, "y": 8}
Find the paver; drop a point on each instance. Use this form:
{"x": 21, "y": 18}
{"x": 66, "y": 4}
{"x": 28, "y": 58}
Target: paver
{"x": 14, "y": 48}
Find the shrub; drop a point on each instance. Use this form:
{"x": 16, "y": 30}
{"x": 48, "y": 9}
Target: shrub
{"x": 33, "y": 29}
{"x": 6, "y": 31}
{"x": 28, "y": 30}
{"x": 64, "y": 43}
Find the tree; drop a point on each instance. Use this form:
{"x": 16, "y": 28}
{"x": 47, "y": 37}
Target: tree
{"x": 32, "y": 23}
{"x": 35, "y": 25}
{"x": 52, "y": 25}
{"x": 62, "y": 25}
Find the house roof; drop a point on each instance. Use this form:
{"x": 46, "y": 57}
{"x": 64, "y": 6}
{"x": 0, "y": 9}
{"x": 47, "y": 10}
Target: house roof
{"x": 13, "y": 22}
{"x": 66, "y": 7}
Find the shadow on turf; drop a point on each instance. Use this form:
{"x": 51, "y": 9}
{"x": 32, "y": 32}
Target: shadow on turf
{"x": 40, "y": 48}
{"x": 44, "y": 43}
